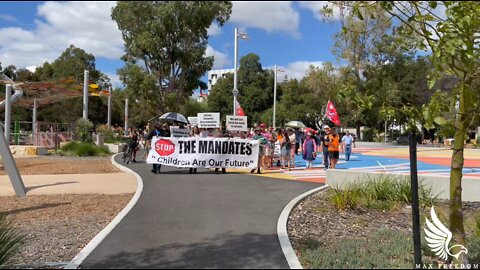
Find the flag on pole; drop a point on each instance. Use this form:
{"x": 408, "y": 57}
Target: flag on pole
{"x": 331, "y": 113}
{"x": 239, "y": 110}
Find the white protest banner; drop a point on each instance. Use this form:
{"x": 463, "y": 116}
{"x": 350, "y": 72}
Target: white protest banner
{"x": 208, "y": 120}
{"x": 204, "y": 152}
{"x": 193, "y": 121}
{"x": 177, "y": 132}
{"x": 277, "y": 150}
{"x": 237, "y": 123}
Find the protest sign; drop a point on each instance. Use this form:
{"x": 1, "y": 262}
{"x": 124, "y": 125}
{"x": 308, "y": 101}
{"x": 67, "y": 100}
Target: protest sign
{"x": 177, "y": 132}
{"x": 204, "y": 152}
{"x": 277, "y": 150}
{"x": 237, "y": 123}
{"x": 208, "y": 120}
{"x": 193, "y": 121}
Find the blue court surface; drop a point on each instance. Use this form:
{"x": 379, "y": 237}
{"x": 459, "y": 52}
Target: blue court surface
{"x": 362, "y": 162}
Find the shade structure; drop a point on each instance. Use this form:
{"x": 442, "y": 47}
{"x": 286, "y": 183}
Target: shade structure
{"x": 49, "y": 92}
{"x": 175, "y": 117}
{"x": 295, "y": 124}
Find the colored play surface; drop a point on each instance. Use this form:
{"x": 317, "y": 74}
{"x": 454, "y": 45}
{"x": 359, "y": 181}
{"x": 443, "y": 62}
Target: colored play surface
{"x": 431, "y": 161}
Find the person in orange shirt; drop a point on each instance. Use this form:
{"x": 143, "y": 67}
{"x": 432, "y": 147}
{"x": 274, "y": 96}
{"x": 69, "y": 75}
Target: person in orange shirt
{"x": 333, "y": 143}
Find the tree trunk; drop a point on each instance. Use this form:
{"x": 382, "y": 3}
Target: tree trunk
{"x": 456, "y": 214}
{"x": 359, "y": 135}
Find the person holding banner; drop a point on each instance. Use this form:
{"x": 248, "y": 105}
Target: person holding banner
{"x": 157, "y": 132}
{"x": 258, "y": 136}
{"x": 196, "y": 134}
{"x": 220, "y": 134}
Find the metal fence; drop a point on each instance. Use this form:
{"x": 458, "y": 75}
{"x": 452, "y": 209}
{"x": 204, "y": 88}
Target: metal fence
{"x": 48, "y": 135}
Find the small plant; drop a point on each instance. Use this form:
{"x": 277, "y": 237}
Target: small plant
{"x": 84, "y": 149}
{"x": 477, "y": 227}
{"x": 383, "y": 192}
{"x": 83, "y": 130}
{"x": 108, "y": 134}
{"x": 346, "y": 199}
{"x": 360, "y": 253}
{"x": 10, "y": 241}
{"x": 474, "y": 250}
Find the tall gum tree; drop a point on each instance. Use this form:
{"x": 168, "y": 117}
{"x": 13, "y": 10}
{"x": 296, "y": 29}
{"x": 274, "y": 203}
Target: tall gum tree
{"x": 453, "y": 39}
{"x": 168, "y": 39}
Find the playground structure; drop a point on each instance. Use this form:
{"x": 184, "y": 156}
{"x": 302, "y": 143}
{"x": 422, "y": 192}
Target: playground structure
{"x": 32, "y": 95}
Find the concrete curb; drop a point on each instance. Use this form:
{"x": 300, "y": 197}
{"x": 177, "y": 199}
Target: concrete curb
{"x": 282, "y": 232}
{"x": 95, "y": 242}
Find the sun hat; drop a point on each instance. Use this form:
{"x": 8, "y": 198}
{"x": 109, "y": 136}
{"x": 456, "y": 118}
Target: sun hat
{"x": 326, "y": 127}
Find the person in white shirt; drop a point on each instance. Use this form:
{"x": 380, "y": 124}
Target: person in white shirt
{"x": 347, "y": 141}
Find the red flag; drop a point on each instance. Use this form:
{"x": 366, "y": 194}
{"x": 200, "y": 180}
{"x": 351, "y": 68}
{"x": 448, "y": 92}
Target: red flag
{"x": 239, "y": 110}
{"x": 331, "y": 113}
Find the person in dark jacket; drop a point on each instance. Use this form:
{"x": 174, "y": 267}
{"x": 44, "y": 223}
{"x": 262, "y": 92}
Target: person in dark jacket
{"x": 324, "y": 142}
{"x": 158, "y": 131}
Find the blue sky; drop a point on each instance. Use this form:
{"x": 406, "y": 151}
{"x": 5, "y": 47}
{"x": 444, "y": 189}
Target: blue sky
{"x": 288, "y": 34}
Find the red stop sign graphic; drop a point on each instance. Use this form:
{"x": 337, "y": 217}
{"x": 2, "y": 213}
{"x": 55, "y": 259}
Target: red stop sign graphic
{"x": 164, "y": 147}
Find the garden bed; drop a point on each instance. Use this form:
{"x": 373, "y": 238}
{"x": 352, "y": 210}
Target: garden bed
{"x": 63, "y": 165}
{"x": 57, "y": 227}
{"x": 367, "y": 237}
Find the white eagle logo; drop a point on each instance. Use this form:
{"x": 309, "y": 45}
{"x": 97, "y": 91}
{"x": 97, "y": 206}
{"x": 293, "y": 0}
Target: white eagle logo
{"x": 438, "y": 238}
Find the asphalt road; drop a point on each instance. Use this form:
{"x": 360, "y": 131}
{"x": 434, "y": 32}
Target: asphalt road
{"x": 205, "y": 220}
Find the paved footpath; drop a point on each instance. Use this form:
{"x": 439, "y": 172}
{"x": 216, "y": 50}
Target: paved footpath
{"x": 200, "y": 221}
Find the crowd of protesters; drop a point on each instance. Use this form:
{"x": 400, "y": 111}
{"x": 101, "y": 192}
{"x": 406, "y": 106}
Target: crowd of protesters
{"x": 278, "y": 147}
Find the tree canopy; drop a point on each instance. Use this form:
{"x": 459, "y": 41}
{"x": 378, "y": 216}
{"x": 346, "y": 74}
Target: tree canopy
{"x": 169, "y": 40}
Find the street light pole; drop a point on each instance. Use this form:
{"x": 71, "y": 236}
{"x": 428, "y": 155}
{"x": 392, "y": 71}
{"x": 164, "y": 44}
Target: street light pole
{"x": 126, "y": 117}
{"x": 235, "y": 89}
{"x": 34, "y": 122}
{"x": 109, "y": 120}
{"x": 85, "y": 94}
{"x": 8, "y": 111}
{"x": 275, "y": 95}
{"x": 385, "y": 130}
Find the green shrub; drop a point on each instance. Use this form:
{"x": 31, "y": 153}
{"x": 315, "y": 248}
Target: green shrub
{"x": 10, "y": 241}
{"x": 383, "y": 192}
{"x": 108, "y": 134}
{"x": 345, "y": 199}
{"x": 368, "y": 134}
{"x": 477, "y": 228}
{"x": 84, "y": 149}
{"x": 474, "y": 250}
{"x": 70, "y": 147}
{"x": 83, "y": 130}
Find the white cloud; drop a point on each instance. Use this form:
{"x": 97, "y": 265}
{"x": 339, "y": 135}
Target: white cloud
{"x": 115, "y": 79}
{"x": 269, "y": 16}
{"x": 214, "y": 30}
{"x": 221, "y": 59}
{"x": 86, "y": 25}
{"x": 316, "y": 6}
{"x": 7, "y": 18}
{"x": 297, "y": 70}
